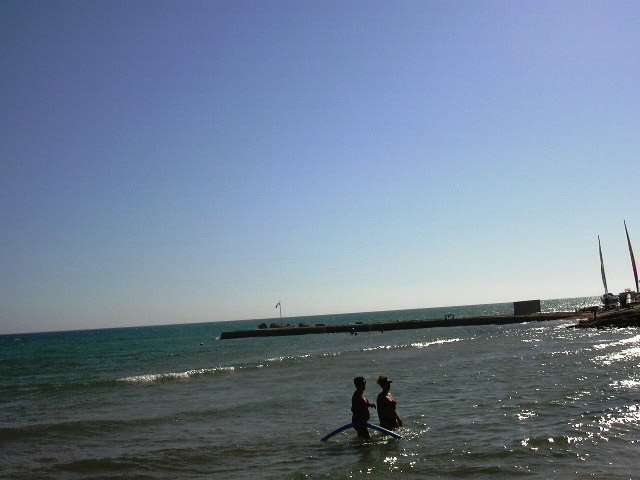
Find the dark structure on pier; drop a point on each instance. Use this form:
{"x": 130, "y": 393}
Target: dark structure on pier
{"x": 527, "y": 307}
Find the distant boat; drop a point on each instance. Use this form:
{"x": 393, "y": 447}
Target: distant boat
{"x": 608, "y": 299}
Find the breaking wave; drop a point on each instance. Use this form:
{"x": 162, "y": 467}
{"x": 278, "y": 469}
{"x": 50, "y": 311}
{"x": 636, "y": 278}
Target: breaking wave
{"x": 172, "y": 376}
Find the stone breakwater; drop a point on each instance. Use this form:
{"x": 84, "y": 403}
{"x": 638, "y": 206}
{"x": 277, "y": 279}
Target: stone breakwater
{"x": 621, "y": 318}
{"x": 398, "y": 325}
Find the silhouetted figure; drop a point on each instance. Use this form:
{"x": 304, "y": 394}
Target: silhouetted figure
{"x": 387, "y": 415}
{"x": 360, "y": 408}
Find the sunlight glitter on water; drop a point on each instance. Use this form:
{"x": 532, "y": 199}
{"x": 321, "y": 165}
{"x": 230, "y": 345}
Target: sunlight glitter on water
{"x": 525, "y": 414}
{"x": 628, "y": 384}
{"x": 626, "y": 416}
{"x": 625, "y": 341}
{"x": 627, "y": 354}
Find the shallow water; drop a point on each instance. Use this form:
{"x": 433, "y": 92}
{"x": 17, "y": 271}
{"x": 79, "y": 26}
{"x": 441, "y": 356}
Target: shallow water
{"x": 536, "y": 400}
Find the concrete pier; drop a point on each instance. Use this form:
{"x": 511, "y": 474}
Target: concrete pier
{"x": 399, "y": 325}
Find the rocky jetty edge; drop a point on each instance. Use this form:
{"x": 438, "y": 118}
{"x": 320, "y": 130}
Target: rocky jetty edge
{"x": 617, "y": 318}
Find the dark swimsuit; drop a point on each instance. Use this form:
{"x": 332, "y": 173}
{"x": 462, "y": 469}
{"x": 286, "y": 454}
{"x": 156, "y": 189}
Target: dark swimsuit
{"x": 386, "y": 404}
{"x": 360, "y": 417}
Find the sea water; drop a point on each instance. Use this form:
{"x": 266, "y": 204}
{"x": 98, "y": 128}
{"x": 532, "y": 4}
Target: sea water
{"x": 534, "y": 400}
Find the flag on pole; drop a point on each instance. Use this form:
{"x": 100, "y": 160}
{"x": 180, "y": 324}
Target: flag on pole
{"x": 278, "y": 304}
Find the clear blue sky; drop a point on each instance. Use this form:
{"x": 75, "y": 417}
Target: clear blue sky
{"x": 166, "y": 162}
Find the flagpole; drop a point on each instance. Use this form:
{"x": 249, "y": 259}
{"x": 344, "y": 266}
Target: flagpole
{"x": 279, "y": 306}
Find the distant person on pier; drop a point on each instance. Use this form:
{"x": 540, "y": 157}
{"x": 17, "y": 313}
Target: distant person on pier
{"x": 387, "y": 415}
{"x": 360, "y": 408}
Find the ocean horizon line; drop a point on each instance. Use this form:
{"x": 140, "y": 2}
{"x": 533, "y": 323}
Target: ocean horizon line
{"x": 274, "y": 319}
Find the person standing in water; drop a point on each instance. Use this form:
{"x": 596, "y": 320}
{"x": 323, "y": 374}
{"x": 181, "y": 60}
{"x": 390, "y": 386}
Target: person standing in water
{"x": 360, "y": 408}
{"x": 387, "y": 415}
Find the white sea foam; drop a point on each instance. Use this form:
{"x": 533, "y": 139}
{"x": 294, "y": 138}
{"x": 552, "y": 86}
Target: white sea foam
{"x": 436, "y": 342}
{"x": 412, "y": 345}
{"x": 170, "y": 376}
{"x": 285, "y": 358}
{"x": 382, "y": 347}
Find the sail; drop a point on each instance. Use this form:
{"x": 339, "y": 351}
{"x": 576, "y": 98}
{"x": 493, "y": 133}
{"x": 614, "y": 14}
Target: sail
{"x": 633, "y": 260}
{"x": 604, "y": 278}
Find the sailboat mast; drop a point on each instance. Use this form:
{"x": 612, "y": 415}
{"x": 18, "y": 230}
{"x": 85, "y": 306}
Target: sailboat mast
{"x": 604, "y": 278}
{"x": 633, "y": 260}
